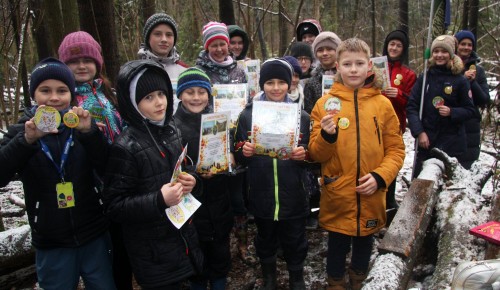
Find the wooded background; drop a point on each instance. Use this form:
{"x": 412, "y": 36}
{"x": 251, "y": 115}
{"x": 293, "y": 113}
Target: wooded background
{"x": 33, "y": 29}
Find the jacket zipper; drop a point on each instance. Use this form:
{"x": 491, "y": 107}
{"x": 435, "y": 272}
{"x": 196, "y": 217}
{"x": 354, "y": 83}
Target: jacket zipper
{"x": 377, "y": 129}
{"x": 276, "y": 189}
{"x": 358, "y": 162}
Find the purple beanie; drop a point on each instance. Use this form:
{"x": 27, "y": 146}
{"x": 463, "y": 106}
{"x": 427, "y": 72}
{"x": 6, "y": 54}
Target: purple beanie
{"x": 80, "y": 44}
{"x": 295, "y": 64}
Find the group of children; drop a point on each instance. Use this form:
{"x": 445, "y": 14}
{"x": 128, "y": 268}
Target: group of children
{"x": 115, "y": 165}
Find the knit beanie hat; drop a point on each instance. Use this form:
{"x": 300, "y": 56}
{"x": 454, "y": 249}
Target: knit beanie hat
{"x": 51, "y": 69}
{"x": 153, "y": 21}
{"x": 235, "y": 30}
{"x": 299, "y": 49}
{"x": 294, "y": 63}
{"x": 149, "y": 82}
{"x": 193, "y": 77}
{"x": 466, "y": 34}
{"x": 311, "y": 26}
{"x": 446, "y": 42}
{"x": 214, "y": 30}
{"x": 275, "y": 68}
{"x": 80, "y": 44}
{"x": 401, "y": 36}
{"x": 326, "y": 38}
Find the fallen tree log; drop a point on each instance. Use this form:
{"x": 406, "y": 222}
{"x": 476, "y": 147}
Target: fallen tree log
{"x": 458, "y": 211}
{"x": 402, "y": 242}
{"x": 15, "y": 249}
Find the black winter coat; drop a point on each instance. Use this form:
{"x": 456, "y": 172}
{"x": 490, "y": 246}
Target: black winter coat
{"x": 290, "y": 200}
{"x": 160, "y": 254}
{"x": 445, "y": 133}
{"x": 481, "y": 98}
{"x": 52, "y": 227}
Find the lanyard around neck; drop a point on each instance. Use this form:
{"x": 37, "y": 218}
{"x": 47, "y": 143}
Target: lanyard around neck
{"x": 64, "y": 156}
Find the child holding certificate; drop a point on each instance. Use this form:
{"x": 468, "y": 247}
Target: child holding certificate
{"x": 277, "y": 197}
{"x": 137, "y": 185}
{"x": 355, "y": 136}
{"x": 214, "y": 219}
{"x": 68, "y": 228}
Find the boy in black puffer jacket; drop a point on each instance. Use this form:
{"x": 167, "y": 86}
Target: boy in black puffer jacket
{"x": 137, "y": 181}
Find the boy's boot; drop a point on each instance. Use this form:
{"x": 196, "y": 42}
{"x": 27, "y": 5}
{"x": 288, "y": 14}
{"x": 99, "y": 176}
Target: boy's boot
{"x": 296, "y": 281}
{"x": 241, "y": 233}
{"x": 269, "y": 275}
{"x": 356, "y": 279}
{"x": 336, "y": 283}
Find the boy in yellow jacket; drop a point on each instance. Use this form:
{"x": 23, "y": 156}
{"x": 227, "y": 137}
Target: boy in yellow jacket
{"x": 355, "y": 136}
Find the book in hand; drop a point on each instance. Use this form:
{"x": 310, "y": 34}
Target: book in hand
{"x": 489, "y": 231}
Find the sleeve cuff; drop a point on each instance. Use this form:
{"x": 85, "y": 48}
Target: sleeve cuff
{"x": 330, "y": 138}
{"x": 380, "y": 181}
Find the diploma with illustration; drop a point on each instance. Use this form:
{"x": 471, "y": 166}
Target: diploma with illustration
{"x": 275, "y": 128}
{"x": 213, "y": 156}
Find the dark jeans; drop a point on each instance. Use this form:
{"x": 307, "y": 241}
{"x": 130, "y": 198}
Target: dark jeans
{"x": 339, "y": 246}
{"x": 122, "y": 271}
{"x": 289, "y": 234}
{"x": 237, "y": 187}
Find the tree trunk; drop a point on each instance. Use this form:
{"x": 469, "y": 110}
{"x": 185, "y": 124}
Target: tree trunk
{"x": 69, "y": 10}
{"x": 97, "y": 18}
{"x": 403, "y": 15}
{"x": 374, "y": 29}
{"x": 473, "y": 16}
{"x": 148, "y": 9}
{"x": 283, "y": 28}
{"x": 226, "y": 12}
{"x": 355, "y": 19}
{"x": 465, "y": 15}
{"x": 39, "y": 30}
{"x": 260, "y": 33}
{"x": 55, "y": 23}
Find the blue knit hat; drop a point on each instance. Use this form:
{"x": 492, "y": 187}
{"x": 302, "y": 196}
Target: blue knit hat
{"x": 193, "y": 77}
{"x": 294, "y": 63}
{"x": 275, "y": 68}
{"x": 466, "y": 34}
{"x": 51, "y": 69}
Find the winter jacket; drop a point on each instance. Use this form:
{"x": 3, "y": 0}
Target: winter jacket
{"x": 276, "y": 187}
{"x": 141, "y": 161}
{"x": 90, "y": 96}
{"x": 371, "y": 143}
{"x": 214, "y": 219}
{"x": 53, "y": 227}
{"x": 445, "y": 133}
{"x": 313, "y": 89}
{"x": 481, "y": 98}
{"x": 406, "y": 79}
{"x": 172, "y": 63}
{"x": 229, "y": 74}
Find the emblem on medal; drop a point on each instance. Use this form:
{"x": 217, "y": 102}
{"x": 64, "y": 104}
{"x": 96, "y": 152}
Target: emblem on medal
{"x": 47, "y": 119}
{"x": 437, "y": 102}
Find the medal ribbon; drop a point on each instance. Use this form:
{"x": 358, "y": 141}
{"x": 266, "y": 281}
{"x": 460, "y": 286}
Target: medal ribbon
{"x": 64, "y": 156}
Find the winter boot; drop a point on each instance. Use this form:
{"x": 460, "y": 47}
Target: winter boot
{"x": 241, "y": 233}
{"x": 269, "y": 275}
{"x": 356, "y": 279}
{"x": 296, "y": 281}
{"x": 336, "y": 283}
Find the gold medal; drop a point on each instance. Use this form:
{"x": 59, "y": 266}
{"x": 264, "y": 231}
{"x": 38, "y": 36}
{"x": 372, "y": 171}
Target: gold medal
{"x": 448, "y": 90}
{"x": 397, "y": 82}
{"x": 47, "y": 119}
{"x": 71, "y": 120}
{"x": 472, "y": 67}
{"x": 343, "y": 123}
{"x": 333, "y": 106}
{"x": 399, "y": 77}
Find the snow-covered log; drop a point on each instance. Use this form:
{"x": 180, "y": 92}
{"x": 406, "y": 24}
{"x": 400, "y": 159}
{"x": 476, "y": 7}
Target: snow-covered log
{"x": 401, "y": 244}
{"x": 15, "y": 249}
{"x": 458, "y": 209}
{"x": 14, "y": 199}
{"x": 492, "y": 250}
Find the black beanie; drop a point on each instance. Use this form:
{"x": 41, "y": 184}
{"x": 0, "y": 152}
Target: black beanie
{"x": 276, "y": 68}
{"x": 149, "y": 82}
{"x": 51, "y": 69}
{"x": 300, "y": 48}
{"x": 153, "y": 21}
{"x": 401, "y": 36}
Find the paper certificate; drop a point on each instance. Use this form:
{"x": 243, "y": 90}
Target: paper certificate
{"x": 252, "y": 70}
{"x": 214, "y": 144}
{"x": 326, "y": 84}
{"x": 382, "y": 65}
{"x": 275, "y": 128}
{"x": 180, "y": 213}
{"x": 230, "y": 97}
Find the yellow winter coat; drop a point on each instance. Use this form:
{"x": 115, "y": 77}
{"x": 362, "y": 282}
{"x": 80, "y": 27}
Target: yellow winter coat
{"x": 370, "y": 143}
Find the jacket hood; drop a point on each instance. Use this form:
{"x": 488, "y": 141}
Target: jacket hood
{"x": 312, "y": 24}
{"x": 127, "y": 73}
{"x": 401, "y": 36}
{"x": 235, "y": 30}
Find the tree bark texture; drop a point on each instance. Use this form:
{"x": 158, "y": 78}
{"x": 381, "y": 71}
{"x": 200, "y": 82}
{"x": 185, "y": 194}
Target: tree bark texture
{"x": 226, "y": 12}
